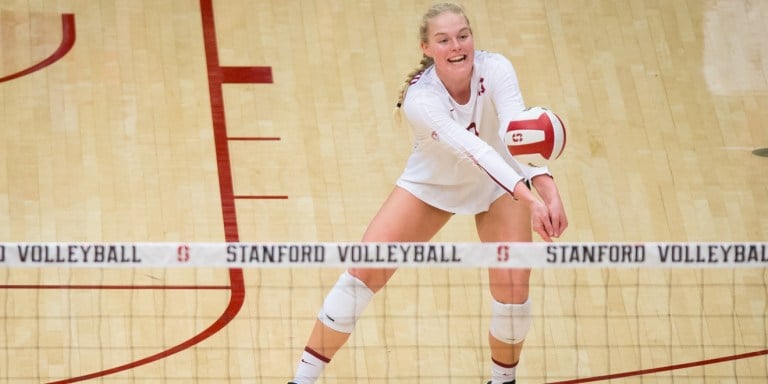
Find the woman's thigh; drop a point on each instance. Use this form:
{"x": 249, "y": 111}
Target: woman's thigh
{"x": 402, "y": 218}
{"x": 507, "y": 220}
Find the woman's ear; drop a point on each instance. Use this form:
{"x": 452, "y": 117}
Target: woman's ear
{"x": 425, "y": 49}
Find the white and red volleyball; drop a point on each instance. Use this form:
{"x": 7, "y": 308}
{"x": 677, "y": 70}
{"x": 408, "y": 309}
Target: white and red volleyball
{"x": 535, "y": 136}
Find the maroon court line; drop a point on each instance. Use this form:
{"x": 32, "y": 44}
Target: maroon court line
{"x": 245, "y": 75}
{"x": 235, "y": 303}
{"x": 67, "y": 41}
{"x": 216, "y": 76}
{"x": 237, "y": 286}
{"x": 234, "y": 75}
{"x": 666, "y": 368}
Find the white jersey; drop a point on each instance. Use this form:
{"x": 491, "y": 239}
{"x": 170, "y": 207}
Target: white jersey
{"x": 459, "y": 161}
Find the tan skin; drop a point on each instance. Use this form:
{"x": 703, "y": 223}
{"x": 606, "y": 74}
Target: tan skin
{"x": 405, "y": 218}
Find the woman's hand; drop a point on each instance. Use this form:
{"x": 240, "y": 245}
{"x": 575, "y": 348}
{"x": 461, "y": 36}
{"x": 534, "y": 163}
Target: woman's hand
{"x": 545, "y": 186}
{"x": 541, "y": 222}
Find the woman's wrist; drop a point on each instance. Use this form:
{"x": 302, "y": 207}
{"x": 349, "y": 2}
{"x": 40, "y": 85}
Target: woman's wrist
{"x": 545, "y": 186}
{"x": 523, "y": 194}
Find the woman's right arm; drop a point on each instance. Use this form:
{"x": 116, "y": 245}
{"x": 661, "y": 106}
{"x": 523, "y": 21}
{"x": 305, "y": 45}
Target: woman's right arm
{"x": 429, "y": 116}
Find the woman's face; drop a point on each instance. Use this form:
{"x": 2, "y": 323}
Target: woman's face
{"x": 450, "y": 45}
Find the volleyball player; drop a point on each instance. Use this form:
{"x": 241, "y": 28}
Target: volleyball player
{"x": 458, "y": 103}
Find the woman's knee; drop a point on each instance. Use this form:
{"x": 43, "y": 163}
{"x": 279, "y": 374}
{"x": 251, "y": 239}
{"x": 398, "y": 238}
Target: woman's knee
{"x": 509, "y": 286}
{"x": 373, "y": 278}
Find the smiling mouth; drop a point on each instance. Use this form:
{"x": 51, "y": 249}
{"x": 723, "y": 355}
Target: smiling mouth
{"x": 457, "y": 59}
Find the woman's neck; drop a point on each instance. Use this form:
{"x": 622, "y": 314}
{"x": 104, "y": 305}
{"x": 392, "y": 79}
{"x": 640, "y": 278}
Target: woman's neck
{"x": 459, "y": 89}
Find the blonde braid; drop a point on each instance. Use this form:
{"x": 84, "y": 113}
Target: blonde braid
{"x": 426, "y": 61}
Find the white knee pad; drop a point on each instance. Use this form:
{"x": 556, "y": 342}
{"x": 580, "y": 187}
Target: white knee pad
{"x": 344, "y": 303}
{"x": 510, "y": 323}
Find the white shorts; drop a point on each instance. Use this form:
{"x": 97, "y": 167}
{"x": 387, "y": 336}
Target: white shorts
{"x": 466, "y": 199}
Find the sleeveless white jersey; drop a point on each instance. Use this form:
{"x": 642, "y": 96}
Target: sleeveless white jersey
{"x": 459, "y": 162}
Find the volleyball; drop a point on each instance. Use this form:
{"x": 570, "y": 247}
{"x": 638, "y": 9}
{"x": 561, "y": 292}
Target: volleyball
{"x": 536, "y": 136}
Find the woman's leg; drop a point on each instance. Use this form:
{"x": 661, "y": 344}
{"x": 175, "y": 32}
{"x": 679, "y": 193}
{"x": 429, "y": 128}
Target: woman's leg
{"x": 506, "y": 221}
{"x": 402, "y": 218}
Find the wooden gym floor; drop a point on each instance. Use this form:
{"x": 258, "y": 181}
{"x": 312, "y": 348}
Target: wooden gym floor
{"x": 200, "y": 120}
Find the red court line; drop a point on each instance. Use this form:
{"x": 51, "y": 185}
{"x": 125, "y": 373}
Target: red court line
{"x": 67, "y": 41}
{"x": 237, "y": 287}
{"x": 246, "y": 75}
{"x": 666, "y": 368}
{"x": 215, "y": 78}
{"x": 235, "y": 303}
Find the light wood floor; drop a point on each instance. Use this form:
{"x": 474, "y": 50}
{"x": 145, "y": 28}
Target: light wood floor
{"x": 115, "y": 141}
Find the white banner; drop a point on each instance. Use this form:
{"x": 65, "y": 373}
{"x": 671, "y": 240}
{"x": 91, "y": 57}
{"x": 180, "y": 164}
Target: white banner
{"x": 289, "y": 255}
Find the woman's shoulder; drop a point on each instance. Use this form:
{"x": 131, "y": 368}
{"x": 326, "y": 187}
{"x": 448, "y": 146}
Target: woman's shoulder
{"x": 423, "y": 79}
{"x": 425, "y": 83}
{"x": 427, "y": 92}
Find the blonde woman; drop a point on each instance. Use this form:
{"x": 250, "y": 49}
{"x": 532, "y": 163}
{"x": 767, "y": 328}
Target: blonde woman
{"x": 458, "y": 103}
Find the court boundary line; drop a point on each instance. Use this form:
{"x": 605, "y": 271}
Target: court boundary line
{"x": 667, "y": 368}
{"x": 68, "y": 37}
{"x": 237, "y": 298}
{"x": 237, "y": 287}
